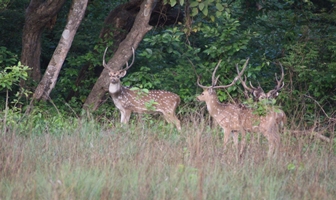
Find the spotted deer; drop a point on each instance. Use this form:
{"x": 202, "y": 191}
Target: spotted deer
{"x": 234, "y": 118}
{"x": 259, "y": 94}
{"x": 128, "y": 101}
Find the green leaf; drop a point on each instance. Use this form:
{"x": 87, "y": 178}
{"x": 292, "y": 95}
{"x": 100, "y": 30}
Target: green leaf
{"x": 194, "y": 11}
{"x": 201, "y": 6}
{"x": 205, "y": 11}
{"x": 219, "y": 7}
{"x": 149, "y": 51}
{"x": 172, "y": 3}
{"x": 194, "y": 4}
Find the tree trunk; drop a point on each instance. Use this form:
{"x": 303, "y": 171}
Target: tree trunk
{"x": 38, "y": 15}
{"x": 49, "y": 79}
{"x": 123, "y": 53}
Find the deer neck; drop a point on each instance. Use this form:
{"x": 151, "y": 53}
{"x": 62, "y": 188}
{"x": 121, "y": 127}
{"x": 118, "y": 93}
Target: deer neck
{"x": 115, "y": 88}
{"x": 213, "y": 105}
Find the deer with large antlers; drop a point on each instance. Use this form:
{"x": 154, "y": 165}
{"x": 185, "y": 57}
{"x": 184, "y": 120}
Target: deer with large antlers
{"x": 128, "y": 101}
{"x": 234, "y": 118}
{"x": 259, "y": 94}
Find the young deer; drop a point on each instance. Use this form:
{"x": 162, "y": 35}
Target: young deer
{"x": 259, "y": 94}
{"x": 128, "y": 101}
{"x": 234, "y": 118}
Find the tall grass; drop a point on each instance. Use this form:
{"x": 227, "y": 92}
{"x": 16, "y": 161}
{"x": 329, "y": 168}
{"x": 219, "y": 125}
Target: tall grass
{"x": 146, "y": 160}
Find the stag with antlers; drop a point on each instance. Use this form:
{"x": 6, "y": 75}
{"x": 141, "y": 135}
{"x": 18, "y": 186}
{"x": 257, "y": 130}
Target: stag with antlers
{"x": 234, "y": 118}
{"x": 128, "y": 101}
{"x": 259, "y": 94}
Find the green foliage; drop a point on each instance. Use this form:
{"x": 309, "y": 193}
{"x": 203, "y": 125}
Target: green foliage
{"x": 7, "y": 58}
{"x": 40, "y": 121}
{"x": 299, "y": 34}
{"x": 150, "y": 105}
{"x": 262, "y": 107}
{"x": 209, "y": 8}
{"x": 12, "y": 75}
{"x": 4, "y": 4}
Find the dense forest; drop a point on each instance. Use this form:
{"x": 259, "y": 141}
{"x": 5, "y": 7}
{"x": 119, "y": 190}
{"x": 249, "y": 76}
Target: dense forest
{"x": 62, "y": 62}
{"x": 298, "y": 34}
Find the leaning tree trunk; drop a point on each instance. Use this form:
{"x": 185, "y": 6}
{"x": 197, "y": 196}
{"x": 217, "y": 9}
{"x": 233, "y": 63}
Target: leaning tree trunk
{"x": 49, "y": 79}
{"x": 123, "y": 53}
{"x": 38, "y": 15}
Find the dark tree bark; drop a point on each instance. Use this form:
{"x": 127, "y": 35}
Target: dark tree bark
{"x": 38, "y": 16}
{"x": 49, "y": 79}
{"x": 123, "y": 53}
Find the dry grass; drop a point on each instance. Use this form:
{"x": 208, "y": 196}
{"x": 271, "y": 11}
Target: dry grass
{"x": 144, "y": 161}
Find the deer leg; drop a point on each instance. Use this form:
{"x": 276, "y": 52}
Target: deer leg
{"x": 236, "y": 143}
{"x": 177, "y": 122}
{"x": 243, "y": 143}
{"x": 273, "y": 139}
{"x": 125, "y": 116}
{"x": 227, "y": 134}
{"x": 236, "y": 140}
{"x": 171, "y": 118}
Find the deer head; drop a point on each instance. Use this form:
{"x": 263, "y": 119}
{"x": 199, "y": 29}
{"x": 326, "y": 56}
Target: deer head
{"x": 259, "y": 93}
{"x": 116, "y": 75}
{"x": 209, "y": 94}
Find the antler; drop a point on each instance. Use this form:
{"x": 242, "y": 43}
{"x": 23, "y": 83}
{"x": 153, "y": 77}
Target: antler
{"x": 213, "y": 80}
{"x": 127, "y": 66}
{"x": 244, "y": 84}
{"x": 279, "y": 86}
{"x": 104, "y": 63}
{"x": 236, "y": 78}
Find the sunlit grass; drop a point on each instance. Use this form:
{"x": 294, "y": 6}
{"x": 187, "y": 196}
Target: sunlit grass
{"x": 151, "y": 160}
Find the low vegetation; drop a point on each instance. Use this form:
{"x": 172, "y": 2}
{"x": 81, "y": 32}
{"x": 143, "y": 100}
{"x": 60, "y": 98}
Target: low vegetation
{"x": 45, "y": 156}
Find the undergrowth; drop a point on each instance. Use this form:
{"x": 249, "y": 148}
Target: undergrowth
{"x": 45, "y": 156}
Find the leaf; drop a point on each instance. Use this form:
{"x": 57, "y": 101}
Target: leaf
{"x": 205, "y": 11}
{"x": 201, "y": 6}
{"x": 212, "y": 18}
{"x": 194, "y": 11}
{"x": 134, "y": 88}
{"x": 290, "y": 166}
{"x": 145, "y": 90}
{"x": 172, "y": 3}
{"x": 194, "y": 4}
{"x": 149, "y": 51}
{"x": 219, "y": 7}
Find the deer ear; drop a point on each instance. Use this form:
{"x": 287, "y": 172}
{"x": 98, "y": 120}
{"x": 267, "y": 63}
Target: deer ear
{"x": 122, "y": 73}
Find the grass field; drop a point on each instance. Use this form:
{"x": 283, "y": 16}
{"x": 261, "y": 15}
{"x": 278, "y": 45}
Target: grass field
{"x": 87, "y": 160}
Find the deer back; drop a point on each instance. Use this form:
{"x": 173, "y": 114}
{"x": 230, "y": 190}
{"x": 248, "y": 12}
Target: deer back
{"x": 139, "y": 101}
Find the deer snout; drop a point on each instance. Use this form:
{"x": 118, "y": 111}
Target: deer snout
{"x": 199, "y": 97}
{"x": 114, "y": 80}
